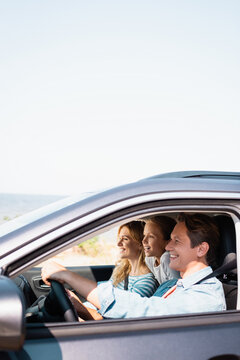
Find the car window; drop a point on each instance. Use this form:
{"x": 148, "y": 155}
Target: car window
{"x": 98, "y": 250}
{"x": 95, "y": 257}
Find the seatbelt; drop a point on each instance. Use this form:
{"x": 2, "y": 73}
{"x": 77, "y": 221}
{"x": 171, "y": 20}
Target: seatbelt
{"x": 228, "y": 266}
{"x": 126, "y": 283}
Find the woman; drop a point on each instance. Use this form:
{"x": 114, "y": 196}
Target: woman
{"x": 130, "y": 272}
{"x": 131, "y": 268}
{"x": 157, "y": 233}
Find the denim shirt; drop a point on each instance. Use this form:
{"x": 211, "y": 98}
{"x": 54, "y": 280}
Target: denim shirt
{"x": 187, "y": 298}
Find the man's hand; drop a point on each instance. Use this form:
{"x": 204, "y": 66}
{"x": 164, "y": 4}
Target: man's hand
{"x": 85, "y": 287}
{"x": 54, "y": 271}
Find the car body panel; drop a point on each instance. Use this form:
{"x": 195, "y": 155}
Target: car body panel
{"x": 168, "y": 338}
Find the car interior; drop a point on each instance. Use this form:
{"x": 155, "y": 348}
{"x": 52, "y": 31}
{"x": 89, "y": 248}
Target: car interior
{"x": 41, "y": 299}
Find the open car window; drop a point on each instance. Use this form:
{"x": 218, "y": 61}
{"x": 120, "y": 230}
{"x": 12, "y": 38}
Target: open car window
{"x": 98, "y": 250}
{"x": 94, "y": 258}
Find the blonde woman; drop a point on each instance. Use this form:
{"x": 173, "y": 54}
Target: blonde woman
{"x": 131, "y": 272}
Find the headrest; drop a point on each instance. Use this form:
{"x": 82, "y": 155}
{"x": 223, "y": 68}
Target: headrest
{"x": 227, "y": 237}
{"x": 229, "y": 258}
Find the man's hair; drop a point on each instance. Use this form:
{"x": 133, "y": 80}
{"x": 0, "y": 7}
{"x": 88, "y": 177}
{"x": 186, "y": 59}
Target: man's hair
{"x": 200, "y": 228}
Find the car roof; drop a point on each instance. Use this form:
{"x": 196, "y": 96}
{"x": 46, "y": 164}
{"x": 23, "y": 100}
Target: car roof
{"x": 224, "y": 175}
{"x": 198, "y": 181}
{"x": 35, "y": 224}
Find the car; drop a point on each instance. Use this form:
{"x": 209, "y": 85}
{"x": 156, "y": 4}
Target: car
{"x": 29, "y": 240}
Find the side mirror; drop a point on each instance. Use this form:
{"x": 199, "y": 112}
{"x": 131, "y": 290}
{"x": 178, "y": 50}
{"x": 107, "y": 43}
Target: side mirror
{"x": 12, "y": 315}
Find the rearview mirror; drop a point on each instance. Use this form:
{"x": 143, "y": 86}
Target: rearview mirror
{"x": 12, "y": 315}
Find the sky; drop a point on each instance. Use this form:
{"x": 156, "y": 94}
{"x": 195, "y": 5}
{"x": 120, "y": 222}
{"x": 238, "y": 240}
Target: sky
{"x": 95, "y": 94}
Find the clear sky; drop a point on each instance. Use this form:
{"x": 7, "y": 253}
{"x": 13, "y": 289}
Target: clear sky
{"x": 95, "y": 93}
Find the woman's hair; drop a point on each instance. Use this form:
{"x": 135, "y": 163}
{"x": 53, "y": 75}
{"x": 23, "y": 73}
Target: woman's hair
{"x": 123, "y": 266}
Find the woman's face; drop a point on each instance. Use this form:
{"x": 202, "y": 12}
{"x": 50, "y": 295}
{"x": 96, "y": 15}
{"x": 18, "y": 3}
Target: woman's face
{"x": 153, "y": 241}
{"x": 128, "y": 247}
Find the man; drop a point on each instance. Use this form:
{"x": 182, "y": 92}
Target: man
{"x": 192, "y": 246}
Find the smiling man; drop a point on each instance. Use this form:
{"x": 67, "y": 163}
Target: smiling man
{"x": 192, "y": 248}
{"x": 193, "y": 244}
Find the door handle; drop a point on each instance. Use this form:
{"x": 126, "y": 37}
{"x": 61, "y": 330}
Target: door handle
{"x": 40, "y": 284}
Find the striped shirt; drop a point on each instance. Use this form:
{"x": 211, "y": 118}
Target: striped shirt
{"x": 144, "y": 285}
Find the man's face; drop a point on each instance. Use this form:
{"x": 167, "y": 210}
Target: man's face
{"x": 182, "y": 256}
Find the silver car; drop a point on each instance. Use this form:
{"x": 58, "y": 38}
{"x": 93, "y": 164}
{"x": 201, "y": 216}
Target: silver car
{"x": 31, "y": 239}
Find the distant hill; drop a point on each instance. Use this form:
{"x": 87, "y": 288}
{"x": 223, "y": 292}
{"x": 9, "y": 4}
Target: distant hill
{"x": 13, "y": 205}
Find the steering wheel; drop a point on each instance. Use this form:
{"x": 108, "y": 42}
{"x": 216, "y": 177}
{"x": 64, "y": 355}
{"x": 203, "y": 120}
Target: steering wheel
{"x": 57, "y": 302}
{"x": 28, "y": 293}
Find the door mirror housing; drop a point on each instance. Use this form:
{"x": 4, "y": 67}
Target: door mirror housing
{"x": 12, "y": 315}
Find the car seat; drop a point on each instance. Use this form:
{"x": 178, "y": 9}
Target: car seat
{"x": 227, "y": 252}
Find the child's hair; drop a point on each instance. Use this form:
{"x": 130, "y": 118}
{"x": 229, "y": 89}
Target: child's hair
{"x": 123, "y": 266}
{"x": 165, "y": 223}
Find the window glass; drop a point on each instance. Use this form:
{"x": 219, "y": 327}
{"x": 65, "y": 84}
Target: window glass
{"x": 99, "y": 250}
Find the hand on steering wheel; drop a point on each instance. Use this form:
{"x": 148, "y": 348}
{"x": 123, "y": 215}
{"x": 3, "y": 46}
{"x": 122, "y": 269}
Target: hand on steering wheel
{"x": 58, "y": 301}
